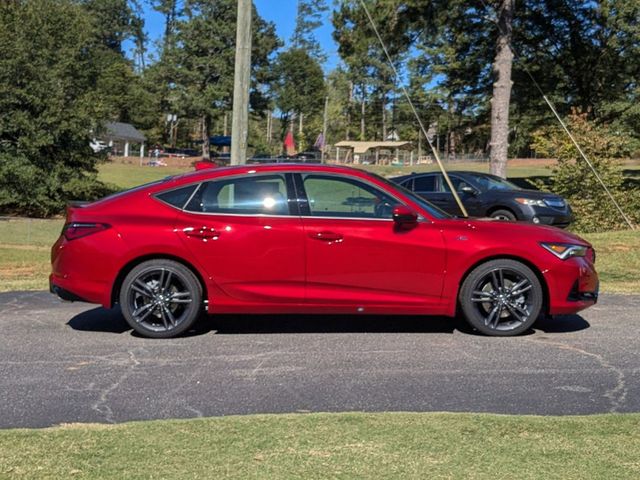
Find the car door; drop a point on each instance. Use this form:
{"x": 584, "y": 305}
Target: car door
{"x": 248, "y": 237}
{"x": 429, "y": 187}
{"x": 356, "y": 256}
{"x": 469, "y": 200}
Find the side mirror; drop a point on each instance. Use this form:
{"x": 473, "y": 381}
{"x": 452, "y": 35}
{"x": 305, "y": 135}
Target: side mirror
{"x": 468, "y": 190}
{"x": 404, "y": 217}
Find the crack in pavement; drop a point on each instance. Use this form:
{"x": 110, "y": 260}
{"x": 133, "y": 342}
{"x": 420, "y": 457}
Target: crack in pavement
{"x": 101, "y": 405}
{"x": 616, "y": 395}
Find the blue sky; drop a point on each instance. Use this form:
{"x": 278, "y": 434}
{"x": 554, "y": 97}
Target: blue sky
{"x": 280, "y": 12}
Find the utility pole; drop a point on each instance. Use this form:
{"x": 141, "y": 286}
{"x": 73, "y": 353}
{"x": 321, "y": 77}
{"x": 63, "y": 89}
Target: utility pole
{"x": 242, "y": 81}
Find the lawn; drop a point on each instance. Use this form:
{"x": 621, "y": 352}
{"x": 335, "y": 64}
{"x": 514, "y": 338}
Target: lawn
{"x": 344, "y": 445}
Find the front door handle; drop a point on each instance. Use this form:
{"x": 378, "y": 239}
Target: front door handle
{"x": 204, "y": 233}
{"x": 325, "y": 236}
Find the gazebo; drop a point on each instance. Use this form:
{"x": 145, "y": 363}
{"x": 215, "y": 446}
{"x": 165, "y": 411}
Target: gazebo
{"x": 373, "y": 152}
{"x": 120, "y": 136}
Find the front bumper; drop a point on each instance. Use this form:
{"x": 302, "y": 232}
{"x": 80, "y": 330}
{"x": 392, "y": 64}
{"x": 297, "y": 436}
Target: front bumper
{"x": 548, "y": 216}
{"x": 573, "y": 286}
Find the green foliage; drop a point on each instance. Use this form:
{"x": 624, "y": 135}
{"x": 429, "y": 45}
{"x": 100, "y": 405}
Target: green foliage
{"x": 583, "y": 54}
{"x": 48, "y": 106}
{"x": 299, "y": 88}
{"x": 573, "y": 179}
{"x": 308, "y": 19}
{"x": 199, "y": 69}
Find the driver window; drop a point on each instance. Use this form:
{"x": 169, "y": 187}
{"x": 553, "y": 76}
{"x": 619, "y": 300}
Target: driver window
{"x": 458, "y": 184}
{"x": 343, "y": 197}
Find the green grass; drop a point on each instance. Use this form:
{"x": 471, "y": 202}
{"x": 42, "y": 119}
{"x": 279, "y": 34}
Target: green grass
{"x": 129, "y": 175}
{"x": 346, "y": 445}
{"x": 517, "y": 171}
{"x": 618, "y": 260}
{"x": 25, "y": 246}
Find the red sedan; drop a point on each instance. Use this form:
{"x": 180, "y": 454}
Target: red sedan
{"x": 310, "y": 239}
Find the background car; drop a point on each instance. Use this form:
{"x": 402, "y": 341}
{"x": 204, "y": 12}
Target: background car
{"x": 485, "y": 195}
{"x": 292, "y": 238}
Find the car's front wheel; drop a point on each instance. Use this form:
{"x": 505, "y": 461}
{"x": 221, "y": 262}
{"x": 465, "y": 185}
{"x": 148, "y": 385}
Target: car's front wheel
{"x": 503, "y": 214}
{"x": 160, "y": 298}
{"x": 501, "y": 297}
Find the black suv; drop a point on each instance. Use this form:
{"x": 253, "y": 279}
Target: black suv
{"x": 485, "y": 195}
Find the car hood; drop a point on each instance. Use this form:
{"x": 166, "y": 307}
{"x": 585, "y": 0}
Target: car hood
{"x": 521, "y": 230}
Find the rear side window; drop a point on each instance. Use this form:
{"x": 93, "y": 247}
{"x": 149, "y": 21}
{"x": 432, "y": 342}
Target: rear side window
{"x": 265, "y": 195}
{"x": 177, "y": 197}
{"x": 426, "y": 183}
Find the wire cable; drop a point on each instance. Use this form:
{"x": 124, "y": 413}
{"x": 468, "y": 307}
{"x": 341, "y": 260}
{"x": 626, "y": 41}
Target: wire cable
{"x": 413, "y": 109}
{"x": 562, "y": 123}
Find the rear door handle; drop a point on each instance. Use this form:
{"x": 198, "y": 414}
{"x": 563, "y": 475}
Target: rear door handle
{"x": 202, "y": 232}
{"x": 326, "y": 236}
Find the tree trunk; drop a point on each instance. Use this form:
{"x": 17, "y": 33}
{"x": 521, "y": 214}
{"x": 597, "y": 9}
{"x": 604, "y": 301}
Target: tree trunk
{"x": 300, "y": 122}
{"x": 362, "y": 115}
{"x": 384, "y": 116}
{"x": 205, "y": 136}
{"x": 502, "y": 91}
{"x": 269, "y": 127}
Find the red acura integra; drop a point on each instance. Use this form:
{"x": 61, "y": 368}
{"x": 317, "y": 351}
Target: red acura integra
{"x": 310, "y": 239}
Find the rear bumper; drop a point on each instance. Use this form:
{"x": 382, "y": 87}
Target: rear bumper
{"x": 64, "y": 294}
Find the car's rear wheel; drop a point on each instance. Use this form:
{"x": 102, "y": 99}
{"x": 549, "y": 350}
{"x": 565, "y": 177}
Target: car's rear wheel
{"x": 503, "y": 214}
{"x": 160, "y": 298}
{"x": 501, "y": 297}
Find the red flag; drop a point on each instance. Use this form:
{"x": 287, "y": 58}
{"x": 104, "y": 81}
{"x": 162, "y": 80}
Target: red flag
{"x": 289, "y": 144}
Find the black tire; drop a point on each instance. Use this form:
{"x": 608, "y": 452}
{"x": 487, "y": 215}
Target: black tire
{"x": 501, "y": 298}
{"x": 503, "y": 214}
{"x": 161, "y": 298}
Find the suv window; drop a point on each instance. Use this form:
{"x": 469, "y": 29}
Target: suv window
{"x": 345, "y": 197}
{"x": 263, "y": 195}
{"x": 424, "y": 184}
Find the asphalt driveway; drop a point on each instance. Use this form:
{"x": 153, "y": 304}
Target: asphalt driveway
{"x": 63, "y": 363}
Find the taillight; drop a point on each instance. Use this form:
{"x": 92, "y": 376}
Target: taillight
{"x": 74, "y": 230}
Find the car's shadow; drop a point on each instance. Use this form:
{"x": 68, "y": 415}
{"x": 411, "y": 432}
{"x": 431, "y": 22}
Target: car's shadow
{"x": 111, "y": 321}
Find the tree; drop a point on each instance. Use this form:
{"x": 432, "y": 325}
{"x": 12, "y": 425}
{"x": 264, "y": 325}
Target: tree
{"x": 365, "y": 59}
{"x": 308, "y": 19}
{"x": 202, "y": 63}
{"x": 573, "y": 178}
{"x": 48, "y": 107}
{"x": 501, "y": 98}
{"x": 299, "y": 88}
{"x": 171, "y": 10}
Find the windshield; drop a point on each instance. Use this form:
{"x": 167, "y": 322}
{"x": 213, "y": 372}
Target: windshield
{"x": 491, "y": 182}
{"x": 427, "y": 206}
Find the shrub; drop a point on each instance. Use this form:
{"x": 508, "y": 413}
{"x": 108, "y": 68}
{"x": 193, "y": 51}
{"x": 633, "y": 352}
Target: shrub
{"x": 573, "y": 179}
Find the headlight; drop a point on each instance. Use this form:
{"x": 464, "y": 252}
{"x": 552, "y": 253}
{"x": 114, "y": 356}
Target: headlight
{"x": 531, "y": 201}
{"x": 565, "y": 250}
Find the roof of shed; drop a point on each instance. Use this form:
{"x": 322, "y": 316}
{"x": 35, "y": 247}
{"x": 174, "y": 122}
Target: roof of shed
{"x": 124, "y": 131}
